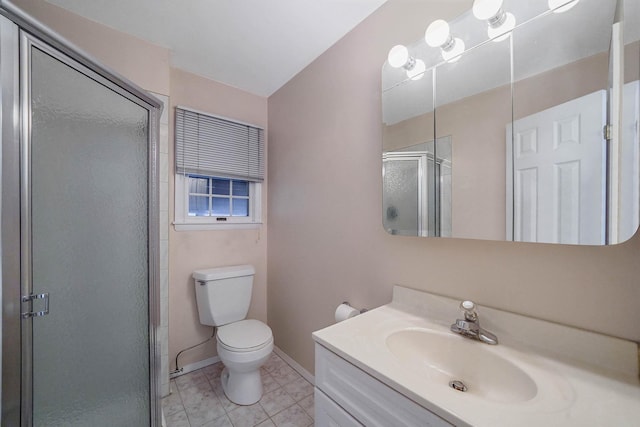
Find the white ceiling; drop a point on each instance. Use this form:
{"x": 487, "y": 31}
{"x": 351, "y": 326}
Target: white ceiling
{"x": 254, "y": 45}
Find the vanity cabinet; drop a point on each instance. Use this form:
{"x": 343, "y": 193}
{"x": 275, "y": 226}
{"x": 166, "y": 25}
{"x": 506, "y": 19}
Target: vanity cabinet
{"x": 328, "y": 413}
{"x": 391, "y": 366}
{"x": 347, "y": 396}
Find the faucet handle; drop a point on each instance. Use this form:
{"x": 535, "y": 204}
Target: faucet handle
{"x": 468, "y": 305}
{"x": 469, "y": 308}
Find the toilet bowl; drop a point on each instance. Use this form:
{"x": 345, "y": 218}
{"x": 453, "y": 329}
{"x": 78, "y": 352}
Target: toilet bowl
{"x": 243, "y": 347}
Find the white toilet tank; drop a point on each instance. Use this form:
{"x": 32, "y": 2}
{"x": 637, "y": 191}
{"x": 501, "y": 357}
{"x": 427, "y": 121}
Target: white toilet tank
{"x": 223, "y": 294}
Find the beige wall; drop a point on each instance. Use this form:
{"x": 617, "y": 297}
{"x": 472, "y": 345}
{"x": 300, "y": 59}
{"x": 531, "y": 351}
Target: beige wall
{"x": 193, "y": 250}
{"x": 326, "y": 241}
{"x": 145, "y": 64}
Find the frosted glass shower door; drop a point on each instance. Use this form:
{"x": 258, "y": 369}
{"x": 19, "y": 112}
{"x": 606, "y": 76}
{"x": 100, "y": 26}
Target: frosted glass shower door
{"x": 402, "y": 195}
{"x": 87, "y": 191}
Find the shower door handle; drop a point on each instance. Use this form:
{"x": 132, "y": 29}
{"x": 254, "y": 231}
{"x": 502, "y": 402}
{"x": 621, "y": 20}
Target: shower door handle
{"x": 32, "y": 297}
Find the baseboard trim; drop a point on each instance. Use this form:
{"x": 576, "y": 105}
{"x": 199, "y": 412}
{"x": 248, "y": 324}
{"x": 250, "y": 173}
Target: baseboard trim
{"x": 195, "y": 366}
{"x": 215, "y": 359}
{"x": 295, "y": 365}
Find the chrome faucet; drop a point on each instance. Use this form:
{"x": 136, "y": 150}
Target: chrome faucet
{"x": 470, "y": 326}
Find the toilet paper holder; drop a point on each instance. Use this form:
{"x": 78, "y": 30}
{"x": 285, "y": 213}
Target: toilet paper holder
{"x": 362, "y": 310}
{"x": 346, "y": 311}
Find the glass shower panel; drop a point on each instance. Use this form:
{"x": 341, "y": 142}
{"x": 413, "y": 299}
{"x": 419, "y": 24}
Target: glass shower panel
{"x": 401, "y": 196}
{"x": 89, "y": 222}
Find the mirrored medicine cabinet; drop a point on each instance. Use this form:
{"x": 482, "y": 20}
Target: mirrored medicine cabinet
{"x": 516, "y": 121}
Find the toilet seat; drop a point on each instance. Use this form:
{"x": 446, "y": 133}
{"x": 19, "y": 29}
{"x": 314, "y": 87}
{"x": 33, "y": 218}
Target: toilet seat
{"x": 244, "y": 336}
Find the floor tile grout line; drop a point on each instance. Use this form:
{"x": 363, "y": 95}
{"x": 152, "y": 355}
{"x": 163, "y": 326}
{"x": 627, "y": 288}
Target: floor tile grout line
{"x": 210, "y": 380}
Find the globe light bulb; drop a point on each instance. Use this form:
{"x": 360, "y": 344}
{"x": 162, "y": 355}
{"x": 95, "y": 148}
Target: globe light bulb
{"x": 501, "y": 32}
{"x": 455, "y": 53}
{"x": 417, "y": 71}
{"x": 437, "y": 33}
{"x": 486, "y": 9}
{"x": 398, "y": 56}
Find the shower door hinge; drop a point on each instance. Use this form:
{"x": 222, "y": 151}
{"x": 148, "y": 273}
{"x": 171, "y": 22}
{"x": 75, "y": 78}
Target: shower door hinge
{"x": 29, "y": 299}
{"x": 606, "y": 132}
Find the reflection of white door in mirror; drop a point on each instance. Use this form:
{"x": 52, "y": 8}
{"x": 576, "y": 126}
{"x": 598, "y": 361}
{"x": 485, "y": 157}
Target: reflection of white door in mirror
{"x": 556, "y": 174}
{"x": 629, "y": 175}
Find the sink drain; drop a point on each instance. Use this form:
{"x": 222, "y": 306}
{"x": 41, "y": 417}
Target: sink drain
{"x": 457, "y": 385}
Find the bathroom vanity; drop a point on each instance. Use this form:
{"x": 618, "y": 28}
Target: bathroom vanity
{"x": 365, "y": 398}
{"x": 400, "y": 364}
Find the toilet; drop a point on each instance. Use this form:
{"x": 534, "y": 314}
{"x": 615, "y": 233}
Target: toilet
{"x": 223, "y": 296}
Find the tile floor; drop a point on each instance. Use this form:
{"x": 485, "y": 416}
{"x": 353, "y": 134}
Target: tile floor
{"x": 197, "y": 400}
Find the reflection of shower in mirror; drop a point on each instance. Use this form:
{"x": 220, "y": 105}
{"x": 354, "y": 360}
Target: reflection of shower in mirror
{"x": 417, "y": 189}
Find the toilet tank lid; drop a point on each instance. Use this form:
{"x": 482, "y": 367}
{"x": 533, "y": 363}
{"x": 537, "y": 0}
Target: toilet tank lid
{"x": 224, "y": 272}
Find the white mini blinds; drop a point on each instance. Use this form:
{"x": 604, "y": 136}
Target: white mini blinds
{"x": 214, "y": 146}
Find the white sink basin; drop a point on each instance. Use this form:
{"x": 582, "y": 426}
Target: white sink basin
{"x": 445, "y": 357}
{"x": 541, "y": 373}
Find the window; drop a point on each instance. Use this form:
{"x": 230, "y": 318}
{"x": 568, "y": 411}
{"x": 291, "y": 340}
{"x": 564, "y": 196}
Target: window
{"x": 219, "y": 170}
{"x": 211, "y": 196}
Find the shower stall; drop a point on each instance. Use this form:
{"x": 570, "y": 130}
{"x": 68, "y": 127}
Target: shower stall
{"x": 79, "y": 236}
{"x": 416, "y": 193}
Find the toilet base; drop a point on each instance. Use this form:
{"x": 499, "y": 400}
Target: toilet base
{"x": 240, "y": 378}
{"x": 242, "y": 388}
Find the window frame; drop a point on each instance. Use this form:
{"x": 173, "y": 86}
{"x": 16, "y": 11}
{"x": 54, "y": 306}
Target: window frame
{"x": 184, "y": 222}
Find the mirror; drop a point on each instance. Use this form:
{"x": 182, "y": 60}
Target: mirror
{"x": 520, "y": 126}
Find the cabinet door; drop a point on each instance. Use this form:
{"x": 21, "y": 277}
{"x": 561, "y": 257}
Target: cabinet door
{"x": 329, "y": 414}
{"x": 365, "y": 398}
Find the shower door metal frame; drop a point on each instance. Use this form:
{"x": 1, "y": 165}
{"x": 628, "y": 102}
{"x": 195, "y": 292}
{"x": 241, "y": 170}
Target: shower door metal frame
{"x": 17, "y": 359}
{"x": 10, "y": 216}
{"x": 421, "y": 159}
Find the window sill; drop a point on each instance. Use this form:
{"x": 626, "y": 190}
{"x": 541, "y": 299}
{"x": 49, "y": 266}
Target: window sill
{"x": 189, "y": 226}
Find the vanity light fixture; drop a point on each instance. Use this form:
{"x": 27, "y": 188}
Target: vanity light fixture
{"x": 438, "y": 34}
{"x": 499, "y": 22}
{"x": 559, "y": 6}
{"x": 417, "y": 72}
{"x": 399, "y": 58}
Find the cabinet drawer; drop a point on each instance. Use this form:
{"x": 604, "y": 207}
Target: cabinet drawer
{"x": 367, "y": 399}
{"x": 329, "y": 414}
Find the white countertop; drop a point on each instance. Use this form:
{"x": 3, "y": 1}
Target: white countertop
{"x": 582, "y": 378}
